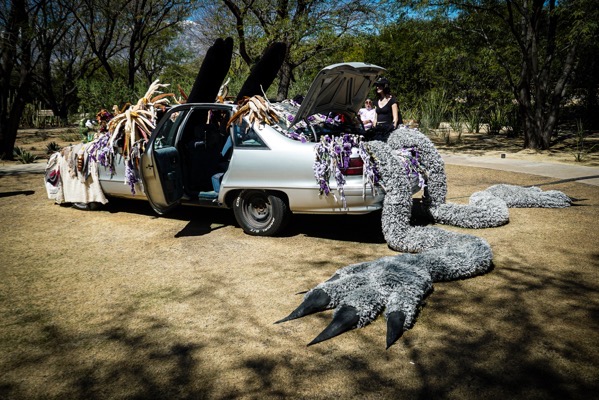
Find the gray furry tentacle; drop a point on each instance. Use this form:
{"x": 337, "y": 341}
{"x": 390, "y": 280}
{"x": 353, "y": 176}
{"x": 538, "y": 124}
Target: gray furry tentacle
{"x": 520, "y": 197}
{"x": 484, "y": 210}
{"x": 396, "y": 285}
{"x": 397, "y": 206}
{"x": 435, "y": 191}
{"x": 453, "y": 255}
{"x": 489, "y": 208}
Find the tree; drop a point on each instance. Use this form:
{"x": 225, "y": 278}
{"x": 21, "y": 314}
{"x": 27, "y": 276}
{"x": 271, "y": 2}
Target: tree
{"x": 64, "y": 58}
{"x": 544, "y": 37}
{"x": 428, "y": 57}
{"x": 309, "y": 28}
{"x": 102, "y": 27}
{"x": 16, "y": 67}
{"x": 584, "y": 97}
{"x": 127, "y": 28}
{"x": 540, "y": 84}
{"x": 151, "y": 22}
{"x": 410, "y": 49}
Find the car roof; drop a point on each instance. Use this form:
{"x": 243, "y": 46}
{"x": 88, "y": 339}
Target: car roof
{"x": 339, "y": 88}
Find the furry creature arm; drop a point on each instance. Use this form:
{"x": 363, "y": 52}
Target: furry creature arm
{"x": 397, "y": 285}
{"x": 360, "y": 292}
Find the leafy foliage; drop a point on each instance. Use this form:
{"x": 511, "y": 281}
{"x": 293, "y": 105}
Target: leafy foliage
{"x": 96, "y": 94}
{"x": 581, "y": 147}
{"x": 470, "y": 49}
{"x": 23, "y": 156}
{"x": 52, "y": 147}
{"x": 434, "y": 109}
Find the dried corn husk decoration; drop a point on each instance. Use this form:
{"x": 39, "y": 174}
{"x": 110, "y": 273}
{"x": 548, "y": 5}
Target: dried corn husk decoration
{"x": 135, "y": 123}
{"x": 257, "y": 109}
{"x": 223, "y": 92}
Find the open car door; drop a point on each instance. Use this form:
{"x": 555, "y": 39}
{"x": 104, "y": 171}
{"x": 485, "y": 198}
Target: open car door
{"x": 161, "y": 167}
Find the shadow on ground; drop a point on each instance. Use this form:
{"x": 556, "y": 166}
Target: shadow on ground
{"x": 362, "y": 228}
{"x": 116, "y": 360}
{"x": 150, "y": 315}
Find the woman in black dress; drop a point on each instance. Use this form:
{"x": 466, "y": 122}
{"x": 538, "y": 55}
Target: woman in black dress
{"x": 388, "y": 116}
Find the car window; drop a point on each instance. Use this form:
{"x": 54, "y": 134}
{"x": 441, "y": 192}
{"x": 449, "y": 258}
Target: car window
{"x": 247, "y": 137}
{"x": 168, "y": 132}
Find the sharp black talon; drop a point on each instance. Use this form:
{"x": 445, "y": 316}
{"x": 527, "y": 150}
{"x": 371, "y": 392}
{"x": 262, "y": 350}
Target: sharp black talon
{"x": 316, "y": 301}
{"x": 264, "y": 72}
{"x": 395, "y": 323}
{"x": 344, "y": 320}
{"x": 213, "y": 71}
{"x": 302, "y": 292}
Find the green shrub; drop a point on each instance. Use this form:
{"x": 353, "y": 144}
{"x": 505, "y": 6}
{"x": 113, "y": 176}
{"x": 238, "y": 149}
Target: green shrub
{"x": 30, "y": 117}
{"x": 409, "y": 113}
{"x": 445, "y": 133}
{"x": 497, "y": 121}
{"x": 513, "y": 126}
{"x": 473, "y": 121}
{"x": 581, "y": 151}
{"x": 433, "y": 108}
{"x": 456, "y": 124}
{"x": 23, "y": 156}
{"x": 96, "y": 94}
{"x": 41, "y": 135}
{"x": 52, "y": 147}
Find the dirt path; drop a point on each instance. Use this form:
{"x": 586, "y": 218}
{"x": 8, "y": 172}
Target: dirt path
{"x": 121, "y": 303}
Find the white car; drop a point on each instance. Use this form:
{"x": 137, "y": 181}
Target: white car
{"x": 257, "y": 169}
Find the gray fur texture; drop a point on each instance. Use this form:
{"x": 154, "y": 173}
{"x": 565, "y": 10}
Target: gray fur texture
{"x": 400, "y": 283}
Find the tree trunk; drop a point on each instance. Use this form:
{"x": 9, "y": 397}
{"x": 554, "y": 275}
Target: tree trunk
{"x": 131, "y": 70}
{"x": 14, "y": 53}
{"x": 9, "y": 127}
{"x": 284, "y": 82}
{"x": 541, "y": 86}
{"x": 591, "y": 106}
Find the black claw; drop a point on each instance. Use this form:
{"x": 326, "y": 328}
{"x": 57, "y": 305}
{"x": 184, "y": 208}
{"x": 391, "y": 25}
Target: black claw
{"x": 395, "y": 323}
{"x": 212, "y": 73}
{"x": 345, "y": 319}
{"x": 264, "y": 72}
{"x": 316, "y": 301}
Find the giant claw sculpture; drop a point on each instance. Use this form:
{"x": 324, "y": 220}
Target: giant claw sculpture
{"x": 397, "y": 285}
{"x": 264, "y": 72}
{"x": 212, "y": 72}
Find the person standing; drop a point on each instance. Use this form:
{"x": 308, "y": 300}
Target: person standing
{"x": 367, "y": 114}
{"x": 388, "y": 116}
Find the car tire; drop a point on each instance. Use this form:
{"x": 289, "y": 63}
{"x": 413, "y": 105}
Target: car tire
{"x": 93, "y": 206}
{"x": 260, "y": 213}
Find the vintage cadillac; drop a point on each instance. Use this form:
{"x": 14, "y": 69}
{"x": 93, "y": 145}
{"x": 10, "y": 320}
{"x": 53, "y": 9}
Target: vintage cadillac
{"x": 260, "y": 170}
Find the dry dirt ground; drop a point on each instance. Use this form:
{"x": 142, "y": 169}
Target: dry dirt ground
{"x": 120, "y": 303}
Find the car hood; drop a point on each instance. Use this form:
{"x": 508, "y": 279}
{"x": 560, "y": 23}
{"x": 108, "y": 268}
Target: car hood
{"x": 339, "y": 88}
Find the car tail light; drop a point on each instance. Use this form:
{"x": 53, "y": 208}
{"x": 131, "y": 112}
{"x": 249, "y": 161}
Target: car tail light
{"x": 355, "y": 166}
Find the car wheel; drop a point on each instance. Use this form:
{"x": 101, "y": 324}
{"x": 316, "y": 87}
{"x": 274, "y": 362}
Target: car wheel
{"x": 260, "y": 213}
{"x": 93, "y": 206}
